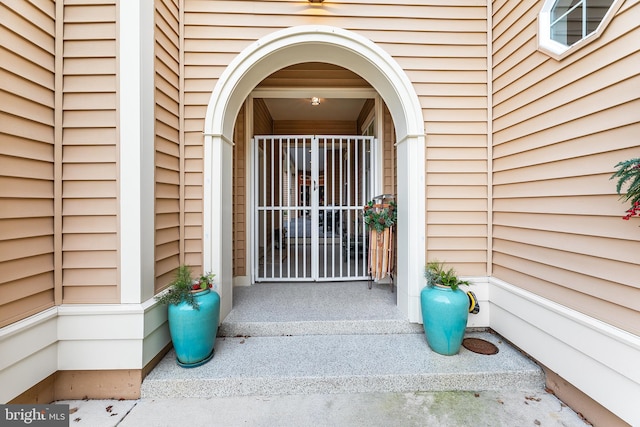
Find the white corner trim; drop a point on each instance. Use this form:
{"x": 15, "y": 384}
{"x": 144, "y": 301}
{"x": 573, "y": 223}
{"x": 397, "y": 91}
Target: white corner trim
{"x": 597, "y": 358}
{"x": 79, "y": 337}
{"x": 136, "y": 150}
{"x": 207, "y": 196}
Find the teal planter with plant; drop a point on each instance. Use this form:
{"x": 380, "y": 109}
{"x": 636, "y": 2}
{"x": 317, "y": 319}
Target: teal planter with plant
{"x": 194, "y": 317}
{"x": 445, "y": 309}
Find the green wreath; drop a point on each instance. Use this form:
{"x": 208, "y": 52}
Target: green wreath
{"x": 379, "y": 217}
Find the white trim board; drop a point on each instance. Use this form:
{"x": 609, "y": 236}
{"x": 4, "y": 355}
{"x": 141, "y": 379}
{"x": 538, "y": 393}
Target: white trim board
{"x": 79, "y": 337}
{"x": 597, "y": 358}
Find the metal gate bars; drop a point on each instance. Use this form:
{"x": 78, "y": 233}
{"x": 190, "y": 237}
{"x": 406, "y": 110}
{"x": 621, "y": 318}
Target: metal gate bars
{"x": 308, "y": 196}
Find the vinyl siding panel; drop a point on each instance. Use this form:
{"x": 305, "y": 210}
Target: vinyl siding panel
{"x": 314, "y": 127}
{"x": 390, "y": 173}
{"x": 89, "y": 153}
{"x": 167, "y": 143}
{"x": 559, "y": 129}
{"x": 240, "y": 211}
{"x": 316, "y": 74}
{"x": 27, "y": 59}
{"x": 442, "y": 47}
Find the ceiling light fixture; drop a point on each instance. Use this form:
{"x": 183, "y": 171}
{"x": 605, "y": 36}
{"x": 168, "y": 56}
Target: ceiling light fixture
{"x": 315, "y": 101}
{"x": 316, "y": 1}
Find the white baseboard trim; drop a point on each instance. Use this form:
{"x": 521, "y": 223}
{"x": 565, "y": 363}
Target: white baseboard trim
{"x": 241, "y": 281}
{"x": 79, "y": 337}
{"x": 28, "y": 353}
{"x": 599, "y": 359}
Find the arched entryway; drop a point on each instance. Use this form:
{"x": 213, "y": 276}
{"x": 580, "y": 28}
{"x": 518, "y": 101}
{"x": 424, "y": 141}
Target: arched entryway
{"x": 358, "y": 54}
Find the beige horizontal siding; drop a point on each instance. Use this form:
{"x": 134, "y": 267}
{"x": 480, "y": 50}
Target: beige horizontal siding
{"x": 440, "y": 44}
{"x": 316, "y": 74}
{"x": 314, "y": 127}
{"x": 240, "y": 211}
{"x": 89, "y": 153}
{"x": 390, "y": 177}
{"x": 167, "y": 142}
{"x": 27, "y": 67}
{"x": 559, "y": 129}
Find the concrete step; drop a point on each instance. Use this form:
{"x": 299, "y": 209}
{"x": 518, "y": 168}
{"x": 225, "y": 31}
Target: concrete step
{"x": 342, "y": 308}
{"x": 317, "y": 327}
{"x": 341, "y": 363}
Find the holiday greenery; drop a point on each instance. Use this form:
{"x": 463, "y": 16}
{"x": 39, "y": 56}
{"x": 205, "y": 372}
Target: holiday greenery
{"x": 380, "y": 216}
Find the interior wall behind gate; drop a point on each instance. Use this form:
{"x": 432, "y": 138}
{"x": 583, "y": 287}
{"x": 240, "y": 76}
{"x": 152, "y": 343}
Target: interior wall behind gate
{"x": 240, "y": 211}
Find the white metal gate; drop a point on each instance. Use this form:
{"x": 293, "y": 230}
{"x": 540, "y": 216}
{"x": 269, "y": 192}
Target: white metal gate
{"x": 308, "y": 197}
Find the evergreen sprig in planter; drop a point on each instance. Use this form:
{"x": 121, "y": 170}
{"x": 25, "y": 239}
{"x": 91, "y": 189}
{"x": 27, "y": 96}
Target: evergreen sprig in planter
{"x": 445, "y": 309}
{"x": 194, "y": 316}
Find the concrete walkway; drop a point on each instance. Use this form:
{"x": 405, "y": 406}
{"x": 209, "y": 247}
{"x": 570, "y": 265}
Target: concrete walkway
{"x": 439, "y": 409}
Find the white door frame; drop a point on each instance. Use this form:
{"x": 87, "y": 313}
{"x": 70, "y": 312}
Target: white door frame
{"x": 316, "y": 43}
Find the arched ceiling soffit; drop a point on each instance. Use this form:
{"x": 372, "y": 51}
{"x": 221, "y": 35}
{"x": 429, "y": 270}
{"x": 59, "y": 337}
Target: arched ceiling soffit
{"x": 314, "y": 74}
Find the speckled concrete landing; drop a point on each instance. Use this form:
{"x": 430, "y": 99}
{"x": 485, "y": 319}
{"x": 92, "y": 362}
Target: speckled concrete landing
{"x": 338, "y": 308}
{"x": 286, "y": 339}
{"x": 341, "y": 364}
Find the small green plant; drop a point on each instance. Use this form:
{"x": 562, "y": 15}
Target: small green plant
{"x": 184, "y": 286}
{"x": 628, "y": 173}
{"x": 379, "y": 217}
{"x": 436, "y": 274}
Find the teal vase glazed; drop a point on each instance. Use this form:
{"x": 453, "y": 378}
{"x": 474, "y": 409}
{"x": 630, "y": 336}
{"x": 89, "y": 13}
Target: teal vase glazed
{"x": 444, "y": 316}
{"x": 193, "y": 332}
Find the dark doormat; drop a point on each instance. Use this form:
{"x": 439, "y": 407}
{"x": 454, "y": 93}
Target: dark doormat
{"x": 480, "y": 346}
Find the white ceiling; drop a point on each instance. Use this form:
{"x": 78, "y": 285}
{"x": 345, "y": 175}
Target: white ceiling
{"x": 301, "y": 108}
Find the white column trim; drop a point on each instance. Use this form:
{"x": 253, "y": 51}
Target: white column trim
{"x": 136, "y": 151}
{"x": 411, "y": 224}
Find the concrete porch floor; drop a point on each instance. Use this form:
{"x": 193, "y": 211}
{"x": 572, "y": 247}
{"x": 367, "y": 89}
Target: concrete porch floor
{"x": 336, "y": 354}
{"x": 332, "y": 337}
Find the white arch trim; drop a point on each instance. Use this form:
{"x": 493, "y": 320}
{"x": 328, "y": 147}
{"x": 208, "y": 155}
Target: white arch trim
{"x": 346, "y": 49}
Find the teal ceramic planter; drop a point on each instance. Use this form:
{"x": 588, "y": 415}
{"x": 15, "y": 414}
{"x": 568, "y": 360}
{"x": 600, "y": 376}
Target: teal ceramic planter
{"x": 193, "y": 332}
{"x": 444, "y": 316}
